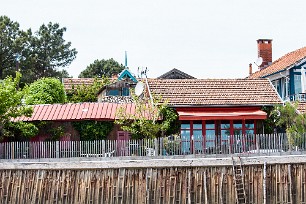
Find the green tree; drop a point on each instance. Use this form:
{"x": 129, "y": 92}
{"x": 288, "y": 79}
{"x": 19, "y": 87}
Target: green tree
{"x": 36, "y": 55}
{"x": 45, "y": 91}
{"x": 49, "y": 51}
{"x": 149, "y": 120}
{"x": 100, "y": 68}
{"x": 86, "y": 93}
{"x": 11, "y": 107}
{"x": 288, "y": 117}
{"x": 13, "y": 42}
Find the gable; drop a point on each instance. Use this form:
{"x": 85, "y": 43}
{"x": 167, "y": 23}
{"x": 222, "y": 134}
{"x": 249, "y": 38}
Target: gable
{"x": 126, "y": 74}
{"x": 175, "y": 74}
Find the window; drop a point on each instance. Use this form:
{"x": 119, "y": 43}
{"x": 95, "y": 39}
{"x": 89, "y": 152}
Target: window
{"x": 225, "y": 131}
{"x": 277, "y": 86}
{"x": 237, "y": 125}
{"x": 210, "y": 133}
{"x": 113, "y": 92}
{"x": 197, "y": 136}
{"x": 249, "y": 127}
{"x": 297, "y": 84}
{"x": 185, "y": 136}
{"x": 125, "y": 91}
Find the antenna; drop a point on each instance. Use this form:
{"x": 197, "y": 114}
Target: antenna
{"x": 139, "y": 88}
{"x": 258, "y": 61}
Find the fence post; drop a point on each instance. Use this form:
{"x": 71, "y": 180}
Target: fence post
{"x": 155, "y": 147}
{"x": 257, "y": 143}
{"x": 57, "y": 149}
{"x": 103, "y": 147}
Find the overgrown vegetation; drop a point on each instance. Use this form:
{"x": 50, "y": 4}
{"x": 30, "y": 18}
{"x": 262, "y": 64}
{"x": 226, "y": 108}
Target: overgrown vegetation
{"x": 150, "y": 120}
{"x": 288, "y": 118}
{"x": 93, "y": 130}
{"x": 86, "y": 93}
{"x": 11, "y": 107}
{"x": 45, "y": 91}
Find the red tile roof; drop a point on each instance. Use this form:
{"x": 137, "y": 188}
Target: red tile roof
{"x": 207, "y": 92}
{"x": 77, "y": 111}
{"x": 75, "y": 82}
{"x": 282, "y": 63}
{"x": 301, "y": 107}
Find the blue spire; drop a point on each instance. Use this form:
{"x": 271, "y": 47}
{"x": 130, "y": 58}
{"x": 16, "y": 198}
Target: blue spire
{"x": 125, "y": 60}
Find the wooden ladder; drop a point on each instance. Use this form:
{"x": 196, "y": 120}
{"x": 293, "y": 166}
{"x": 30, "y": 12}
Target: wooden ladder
{"x": 239, "y": 181}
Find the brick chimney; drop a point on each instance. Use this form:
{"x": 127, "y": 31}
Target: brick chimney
{"x": 250, "y": 69}
{"x": 265, "y": 51}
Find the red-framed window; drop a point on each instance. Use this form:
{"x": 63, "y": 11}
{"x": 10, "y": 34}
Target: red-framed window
{"x": 210, "y": 134}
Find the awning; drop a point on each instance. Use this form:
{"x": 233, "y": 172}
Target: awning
{"x": 222, "y": 115}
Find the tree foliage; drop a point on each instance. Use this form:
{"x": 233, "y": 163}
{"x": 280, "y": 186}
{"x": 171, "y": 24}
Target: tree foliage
{"x": 45, "y": 91}
{"x": 100, "y": 68}
{"x": 11, "y": 107}
{"x": 150, "y": 120}
{"x": 93, "y": 130}
{"x": 86, "y": 93}
{"x": 48, "y": 51}
{"x": 287, "y": 117}
{"x": 41, "y": 53}
{"x": 13, "y": 41}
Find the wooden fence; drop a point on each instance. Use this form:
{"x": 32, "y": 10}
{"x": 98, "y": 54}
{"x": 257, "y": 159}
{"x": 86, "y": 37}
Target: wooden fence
{"x": 244, "y": 145}
{"x": 278, "y": 183}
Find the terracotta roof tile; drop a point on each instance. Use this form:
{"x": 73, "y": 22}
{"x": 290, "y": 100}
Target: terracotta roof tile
{"x": 282, "y": 63}
{"x": 302, "y": 107}
{"x": 215, "y": 91}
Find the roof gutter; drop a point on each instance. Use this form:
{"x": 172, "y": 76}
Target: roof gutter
{"x": 216, "y": 105}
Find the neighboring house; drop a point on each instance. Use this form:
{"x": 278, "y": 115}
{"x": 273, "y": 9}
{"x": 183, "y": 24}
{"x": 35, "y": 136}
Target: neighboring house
{"x": 211, "y": 110}
{"x": 287, "y": 73}
{"x": 120, "y": 90}
{"x": 67, "y": 113}
{"x": 175, "y": 74}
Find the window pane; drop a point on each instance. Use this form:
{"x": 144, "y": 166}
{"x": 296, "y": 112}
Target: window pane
{"x": 197, "y": 126}
{"x": 297, "y": 84}
{"x": 210, "y": 125}
{"x": 185, "y": 133}
{"x": 210, "y": 132}
{"x": 249, "y": 124}
{"x": 185, "y": 126}
{"x": 113, "y": 92}
{"x": 225, "y": 133}
{"x": 198, "y": 142}
{"x": 125, "y": 91}
{"x": 225, "y": 124}
{"x": 210, "y": 141}
{"x": 238, "y": 124}
{"x": 249, "y": 132}
{"x": 197, "y": 132}
{"x": 237, "y": 132}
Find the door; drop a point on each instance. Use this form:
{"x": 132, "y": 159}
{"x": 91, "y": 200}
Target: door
{"x": 122, "y": 143}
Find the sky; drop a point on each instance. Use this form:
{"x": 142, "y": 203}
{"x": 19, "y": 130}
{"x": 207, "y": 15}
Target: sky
{"x": 205, "y": 39}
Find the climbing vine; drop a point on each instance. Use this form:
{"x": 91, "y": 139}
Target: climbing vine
{"x": 93, "y": 130}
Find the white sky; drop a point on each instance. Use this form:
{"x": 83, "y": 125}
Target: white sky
{"x": 206, "y": 39}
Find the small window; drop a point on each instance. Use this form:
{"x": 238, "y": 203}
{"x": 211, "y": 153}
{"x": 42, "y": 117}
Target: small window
{"x": 113, "y": 92}
{"x": 125, "y": 91}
